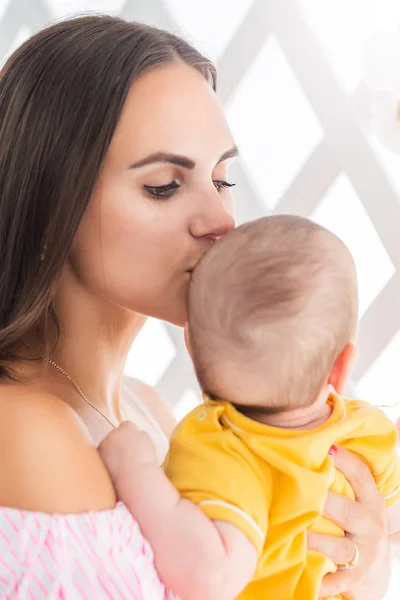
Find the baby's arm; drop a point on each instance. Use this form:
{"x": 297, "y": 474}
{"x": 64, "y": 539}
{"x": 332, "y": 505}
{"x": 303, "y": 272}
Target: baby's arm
{"x": 197, "y": 558}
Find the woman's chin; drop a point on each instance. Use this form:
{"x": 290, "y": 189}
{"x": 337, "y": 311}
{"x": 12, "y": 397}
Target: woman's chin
{"x": 177, "y": 319}
{"x": 177, "y": 314}
{"x": 174, "y": 309}
{"x": 174, "y": 312}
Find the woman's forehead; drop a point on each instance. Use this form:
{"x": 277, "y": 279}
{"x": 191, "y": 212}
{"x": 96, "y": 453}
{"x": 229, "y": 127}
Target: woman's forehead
{"x": 172, "y": 109}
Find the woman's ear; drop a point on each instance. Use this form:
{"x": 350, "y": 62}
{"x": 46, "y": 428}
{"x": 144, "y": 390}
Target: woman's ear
{"x": 341, "y": 370}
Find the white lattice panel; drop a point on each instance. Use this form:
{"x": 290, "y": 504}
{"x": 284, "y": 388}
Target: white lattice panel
{"x": 305, "y": 144}
{"x": 305, "y": 147}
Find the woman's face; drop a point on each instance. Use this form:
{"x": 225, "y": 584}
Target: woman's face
{"x": 162, "y": 196}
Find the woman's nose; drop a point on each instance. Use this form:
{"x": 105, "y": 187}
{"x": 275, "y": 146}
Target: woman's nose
{"x": 214, "y": 218}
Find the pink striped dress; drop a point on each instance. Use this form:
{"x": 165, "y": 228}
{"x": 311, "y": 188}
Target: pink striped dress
{"x": 89, "y": 556}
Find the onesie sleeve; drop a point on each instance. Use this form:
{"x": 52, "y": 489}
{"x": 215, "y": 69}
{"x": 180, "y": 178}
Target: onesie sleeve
{"x": 212, "y": 466}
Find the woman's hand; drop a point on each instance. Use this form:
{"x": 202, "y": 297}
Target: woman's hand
{"x": 364, "y": 522}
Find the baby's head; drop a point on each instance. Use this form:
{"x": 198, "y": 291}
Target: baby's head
{"x": 272, "y": 306}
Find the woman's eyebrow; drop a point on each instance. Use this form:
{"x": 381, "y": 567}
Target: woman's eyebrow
{"x": 177, "y": 159}
{"x": 165, "y": 157}
{"x": 234, "y": 151}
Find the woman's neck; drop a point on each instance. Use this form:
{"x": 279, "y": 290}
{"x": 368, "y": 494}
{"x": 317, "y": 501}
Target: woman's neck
{"x": 95, "y": 340}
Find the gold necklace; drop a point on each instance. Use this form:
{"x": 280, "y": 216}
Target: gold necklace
{"x": 68, "y": 376}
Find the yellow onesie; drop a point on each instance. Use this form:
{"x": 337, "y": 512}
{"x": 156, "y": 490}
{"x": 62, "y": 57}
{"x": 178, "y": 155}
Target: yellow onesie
{"x": 272, "y": 483}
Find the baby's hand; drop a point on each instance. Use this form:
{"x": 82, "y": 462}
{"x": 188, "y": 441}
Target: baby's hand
{"x": 126, "y": 448}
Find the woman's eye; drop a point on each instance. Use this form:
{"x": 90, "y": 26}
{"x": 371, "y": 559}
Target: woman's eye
{"x": 167, "y": 190}
{"x": 220, "y": 184}
{"x": 162, "y": 191}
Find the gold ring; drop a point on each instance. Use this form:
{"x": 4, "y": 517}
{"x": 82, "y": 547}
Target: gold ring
{"x": 353, "y": 563}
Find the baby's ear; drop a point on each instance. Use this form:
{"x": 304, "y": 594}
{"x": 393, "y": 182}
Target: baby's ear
{"x": 341, "y": 370}
{"x": 187, "y": 337}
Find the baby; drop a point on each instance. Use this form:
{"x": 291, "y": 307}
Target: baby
{"x": 272, "y": 320}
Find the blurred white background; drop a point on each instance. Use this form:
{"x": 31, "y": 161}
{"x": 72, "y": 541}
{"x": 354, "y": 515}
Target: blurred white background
{"x": 291, "y": 79}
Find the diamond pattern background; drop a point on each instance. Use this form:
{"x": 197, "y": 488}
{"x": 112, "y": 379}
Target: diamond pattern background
{"x": 297, "y": 106}
{"x": 291, "y": 82}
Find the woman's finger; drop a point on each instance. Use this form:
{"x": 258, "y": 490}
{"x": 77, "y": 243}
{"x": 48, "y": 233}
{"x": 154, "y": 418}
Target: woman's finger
{"x": 364, "y": 523}
{"x": 337, "y": 583}
{"x": 354, "y": 518}
{"x": 360, "y": 478}
{"x": 340, "y": 550}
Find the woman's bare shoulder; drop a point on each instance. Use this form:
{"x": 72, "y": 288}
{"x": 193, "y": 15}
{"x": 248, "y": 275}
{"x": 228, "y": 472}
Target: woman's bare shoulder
{"x": 48, "y": 462}
{"x": 154, "y": 402}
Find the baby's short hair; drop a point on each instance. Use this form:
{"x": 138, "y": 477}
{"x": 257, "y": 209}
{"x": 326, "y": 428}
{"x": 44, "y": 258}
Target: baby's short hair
{"x": 274, "y": 300}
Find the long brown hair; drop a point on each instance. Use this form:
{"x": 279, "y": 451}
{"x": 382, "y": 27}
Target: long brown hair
{"x": 61, "y": 95}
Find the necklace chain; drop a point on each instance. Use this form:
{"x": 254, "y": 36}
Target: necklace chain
{"x": 68, "y": 376}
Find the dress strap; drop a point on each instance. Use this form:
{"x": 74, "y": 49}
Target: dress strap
{"x": 146, "y": 412}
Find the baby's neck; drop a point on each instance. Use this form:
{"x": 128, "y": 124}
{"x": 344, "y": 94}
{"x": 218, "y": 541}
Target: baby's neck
{"x": 307, "y": 417}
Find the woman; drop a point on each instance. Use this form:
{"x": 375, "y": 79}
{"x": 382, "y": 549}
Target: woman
{"x": 113, "y": 175}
